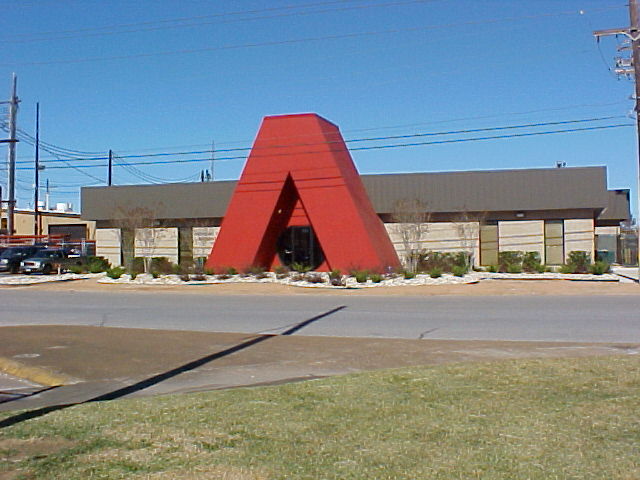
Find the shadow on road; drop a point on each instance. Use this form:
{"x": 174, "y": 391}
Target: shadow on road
{"x": 148, "y": 382}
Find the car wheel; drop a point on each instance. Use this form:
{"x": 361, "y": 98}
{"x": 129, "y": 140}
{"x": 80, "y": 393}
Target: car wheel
{"x": 47, "y": 269}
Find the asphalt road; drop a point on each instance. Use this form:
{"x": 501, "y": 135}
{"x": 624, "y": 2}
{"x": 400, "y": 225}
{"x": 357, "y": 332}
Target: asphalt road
{"x": 535, "y": 318}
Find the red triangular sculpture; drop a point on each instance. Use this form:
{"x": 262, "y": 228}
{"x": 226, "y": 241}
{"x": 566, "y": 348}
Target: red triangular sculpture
{"x": 300, "y": 173}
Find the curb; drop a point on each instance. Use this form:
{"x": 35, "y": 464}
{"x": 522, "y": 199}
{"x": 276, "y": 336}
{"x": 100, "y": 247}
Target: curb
{"x": 32, "y": 374}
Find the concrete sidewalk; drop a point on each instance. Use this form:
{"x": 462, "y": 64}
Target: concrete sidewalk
{"x": 102, "y": 363}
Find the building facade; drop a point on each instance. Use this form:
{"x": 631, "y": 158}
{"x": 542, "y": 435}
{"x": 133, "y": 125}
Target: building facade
{"x": 551, "y": 211}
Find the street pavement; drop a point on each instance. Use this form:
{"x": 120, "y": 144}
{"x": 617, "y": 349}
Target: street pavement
{"x": 611, "y": 318}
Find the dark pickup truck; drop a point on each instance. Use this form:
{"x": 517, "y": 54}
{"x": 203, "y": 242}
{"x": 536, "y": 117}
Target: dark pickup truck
{"x": 49, "y": 260}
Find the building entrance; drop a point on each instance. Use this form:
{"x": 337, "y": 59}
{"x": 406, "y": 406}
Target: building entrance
{"x": 300, "y": 245}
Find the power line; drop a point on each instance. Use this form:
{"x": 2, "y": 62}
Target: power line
{"x": 301, "y": 40}
{"x": 354, "y": 140}
{"x": 111, "y": 31}
{"x": 374, "y": 147}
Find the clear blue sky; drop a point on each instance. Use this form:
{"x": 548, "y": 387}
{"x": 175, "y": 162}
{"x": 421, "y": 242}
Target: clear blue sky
{"x": 171, "y": 76}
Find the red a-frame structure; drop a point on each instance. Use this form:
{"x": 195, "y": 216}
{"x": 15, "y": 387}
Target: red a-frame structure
{"x": 300, "y": 173}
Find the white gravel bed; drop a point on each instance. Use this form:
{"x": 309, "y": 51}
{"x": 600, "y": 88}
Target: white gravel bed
{"x": 350, "y": 282}
{"x": 35, "y": 279}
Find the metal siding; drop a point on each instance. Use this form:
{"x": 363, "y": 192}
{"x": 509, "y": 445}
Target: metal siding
{"x": 477, "y": 191}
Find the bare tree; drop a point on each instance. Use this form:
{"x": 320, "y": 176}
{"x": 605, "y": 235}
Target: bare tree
{"x": 137, "y": 223}
{"x": 412, "y": 219}
{"x": 466, "y": 226}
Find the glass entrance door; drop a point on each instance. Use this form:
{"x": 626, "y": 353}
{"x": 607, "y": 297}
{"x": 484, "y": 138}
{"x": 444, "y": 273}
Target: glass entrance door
{"x": 299, "y": 245}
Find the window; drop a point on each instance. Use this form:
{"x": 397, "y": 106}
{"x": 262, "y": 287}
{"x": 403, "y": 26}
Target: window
{"x": 554, "y": 242}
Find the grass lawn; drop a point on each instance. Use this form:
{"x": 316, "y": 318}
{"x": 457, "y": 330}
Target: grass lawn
{"x": 531, "y": 419}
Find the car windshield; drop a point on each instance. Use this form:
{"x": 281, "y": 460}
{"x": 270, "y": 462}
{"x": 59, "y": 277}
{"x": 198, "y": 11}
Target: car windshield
{"x": 12, "y": 252}
{"x": 47, "y": 254}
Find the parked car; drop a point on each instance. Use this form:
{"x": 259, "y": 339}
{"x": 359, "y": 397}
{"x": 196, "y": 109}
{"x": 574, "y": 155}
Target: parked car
{"x": 49, "y": 260}
{"x": 10, "y": 258}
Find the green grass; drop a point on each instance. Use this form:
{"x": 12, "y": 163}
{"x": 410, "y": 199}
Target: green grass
{"x": 525, "y": 419}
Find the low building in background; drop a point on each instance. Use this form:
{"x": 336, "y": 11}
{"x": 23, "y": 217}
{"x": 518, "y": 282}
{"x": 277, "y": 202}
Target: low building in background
{"x": 552, "y": 211}
{"x": 61, "y": 222}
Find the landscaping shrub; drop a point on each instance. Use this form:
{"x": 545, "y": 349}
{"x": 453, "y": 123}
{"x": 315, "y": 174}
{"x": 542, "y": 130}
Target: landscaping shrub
{"x": 428, "y": 260}
{"x": 115, "y": 272}
{"x": 185, "y": 277}
{"x": 580, "y": 260}
{"x": 507, "y": 259}
{"x": 375, "y": 277}
{"x": 408, "y": 275}
{"x": 530, "y": 260}
{"x": 300, "y": 267}
{"x": 231, "y": 271}
{"x": 599, "y": 268}
{"x": 459, "y": 271}
{"x": 223, "y": 276}
{"x": 567, "y": 268}
{"x": 77, "y": 269}
{"x": 161, "y": 265}
{"x": 136, "y": 267}
{"x": 514, "y": 268}
{"x": 492, "y": 268}
{"x": 361, "y": 276}
{"x": 97, "y": 264}
{"x": 335, "y": 278}
{"x": 199, "y": 277}
{"x": 435, "y": 272}
{"x": 540, "y": 268}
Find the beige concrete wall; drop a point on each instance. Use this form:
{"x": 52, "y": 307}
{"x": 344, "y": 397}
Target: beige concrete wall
{"x": 108, "y": 245}
{"x": 23, "y": 223}
{"x": 157, "y": 242}
{"x": 438, "y": 236}
{"x": 607, "y": 230}
{"x": 579, "y": 235}
{"x": 522, "y": 236}
{"x": 203, "y": 239}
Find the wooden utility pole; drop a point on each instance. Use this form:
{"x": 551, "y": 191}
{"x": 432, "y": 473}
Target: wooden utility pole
{"x": 11, "y": 157}
{"x": 36, "y": 214}
{"x": 631, "y": 69}
{"x": 110, "y": 167}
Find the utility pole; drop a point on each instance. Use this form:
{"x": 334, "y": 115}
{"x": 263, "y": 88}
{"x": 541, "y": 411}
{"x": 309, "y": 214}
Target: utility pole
{"x": 213, "y": 157}
{"x": 630, "y": 67}
{"x": 11, "y": 157}
{"x": 36, "y": 216}
{"x": 110, "y": 166}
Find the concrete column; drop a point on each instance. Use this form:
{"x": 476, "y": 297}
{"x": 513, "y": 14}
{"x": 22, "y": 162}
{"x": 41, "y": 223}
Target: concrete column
{"x": 185, "y": 245}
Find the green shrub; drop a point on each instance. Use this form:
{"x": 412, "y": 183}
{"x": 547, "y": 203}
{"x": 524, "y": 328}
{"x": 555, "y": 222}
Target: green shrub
{"x": 459, "y": 271}
{"x": 136, "y": 265}
{"x": 428, "y": 260}
{"x": 185, "y": 277}
{"x": 530, "y": 260}
{"x": 115, "y": 272}
{"x": 155, "y": 274}
{"x": 300, "y": 267}
{"x": 162, "y": 265}
{"x": 540, "y": 268}
{"x": 567, "y": 268}
{"x": 580, "y": 260}
{"x": 375, "y": 277}
{"x": 97, "y": 264}
{"x": 280, "y": 270}
{"x": 231, "y": 271}
{"x": 599, "y": 268}
{"x": 435, "y": 272}
{"x": 223, "y": 276}
{"x": 361, "y": 276}
{"x": 133, "y": 275}
{"x": 492, "y": 268}
{"x": 408, "y": 275}
{"x": 506, "y": 259}
{"x": 77, "y": 269}
{"x": 514, "y": 268}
